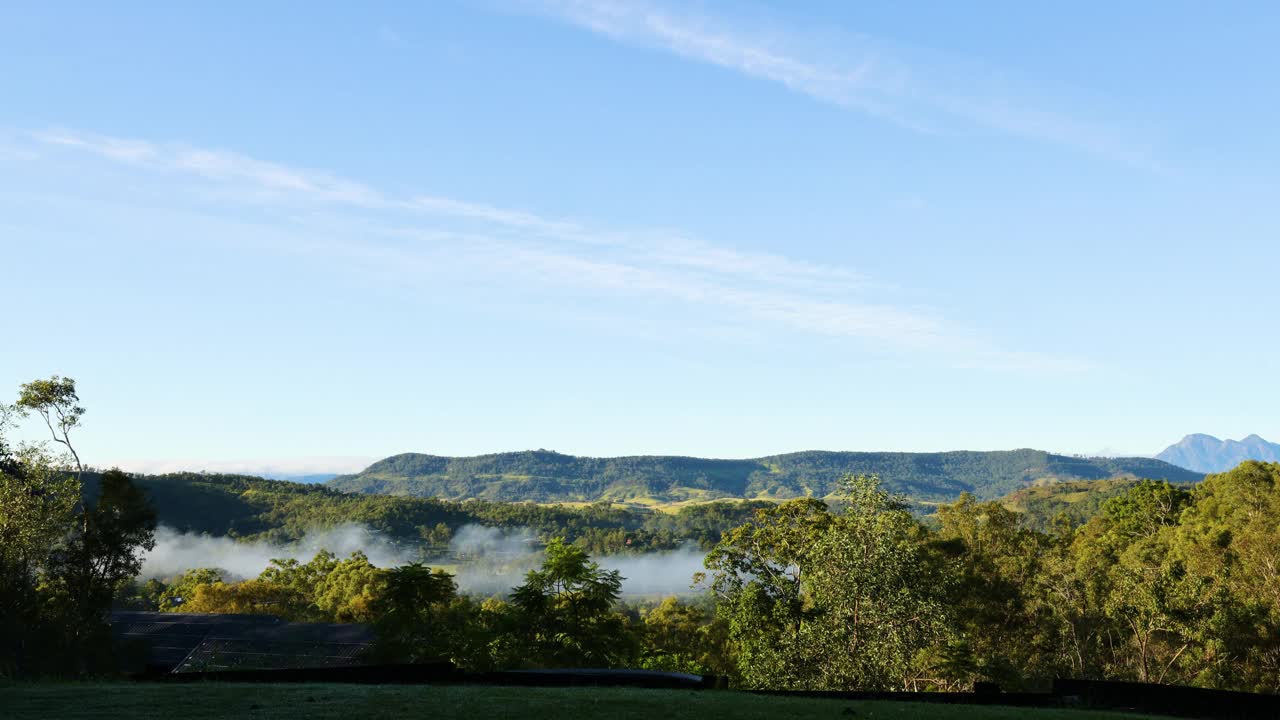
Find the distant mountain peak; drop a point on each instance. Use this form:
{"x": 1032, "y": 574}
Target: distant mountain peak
{"x": 1208, "y": 454}
{"x": 1198, "y": 437}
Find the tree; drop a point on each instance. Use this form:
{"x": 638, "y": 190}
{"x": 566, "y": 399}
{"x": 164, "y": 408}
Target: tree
{"x": 351, "y": 589}
{"x": 56, "y": 402}
{"x": 758, "y": 575}
{"x": 101, "y": 553}
{"x": 37, "y": 504}
{"x": 824, "y": 602}
{"x": 413, "y": 621}
{"x": 8, "y": 463}
{"x": 878, "y": 604}
{"x": 564, "y": 612}
{"x": 1230, "y": 535}
{"x": 138, "y": 594}
{"x": 336, "y": 590}
{"x": 251, "y": 597}
{"x": 183, "y": 588}
{"x": 996, "y": 630}
{"x": 64, "y": 555}
{"x": 304, "y": 580}
{"x": 679, "y": 636}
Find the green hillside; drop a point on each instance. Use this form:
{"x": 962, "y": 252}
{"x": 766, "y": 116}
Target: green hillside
{"x": 545, "y": 476}
{"x": 252, "y": 507}
{"x": 248, "y": 507}
{"x": 1042, "y": 505}
{"x": 255, "y": 508}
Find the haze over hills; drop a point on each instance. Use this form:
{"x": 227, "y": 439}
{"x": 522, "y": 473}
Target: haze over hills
{"x": 307, "y": 469}
{"x": 1208, "y": 454}
{"x": 546, "y": 476}
{"x": 306, "y": 478}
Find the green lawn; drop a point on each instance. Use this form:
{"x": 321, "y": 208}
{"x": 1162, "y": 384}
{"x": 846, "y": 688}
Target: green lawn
{"x": 71, "y": 701}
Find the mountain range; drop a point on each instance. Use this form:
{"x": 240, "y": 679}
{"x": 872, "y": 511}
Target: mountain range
{"x": 547, "y": 476}
{"x": 1208, "y": 454}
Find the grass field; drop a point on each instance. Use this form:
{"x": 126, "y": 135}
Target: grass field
{"x": 73, "y": 701}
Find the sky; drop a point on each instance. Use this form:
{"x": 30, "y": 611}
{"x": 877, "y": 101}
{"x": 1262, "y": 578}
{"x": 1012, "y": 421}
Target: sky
{"x": 307, "y": 235}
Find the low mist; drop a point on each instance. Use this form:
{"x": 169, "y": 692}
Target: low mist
{"x": 491, "y": 561}
{"x": 176, "y": 552}
{"x": 484, "y": 560}
{"x": 662, "y": 573}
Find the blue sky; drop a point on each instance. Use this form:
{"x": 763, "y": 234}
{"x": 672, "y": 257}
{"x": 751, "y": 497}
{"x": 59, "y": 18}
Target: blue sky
{"x": 308, "y": 234}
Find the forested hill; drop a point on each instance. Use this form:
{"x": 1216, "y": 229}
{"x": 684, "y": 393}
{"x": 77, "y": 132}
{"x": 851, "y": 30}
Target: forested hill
{"x": 253, "y": 508}
{"x": 545, "y": 476}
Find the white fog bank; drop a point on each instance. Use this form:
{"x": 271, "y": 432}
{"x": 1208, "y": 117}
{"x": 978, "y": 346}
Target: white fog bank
{"x": 484, "y": 560}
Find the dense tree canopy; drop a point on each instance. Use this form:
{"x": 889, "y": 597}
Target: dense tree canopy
{"x": 821, "y": 601}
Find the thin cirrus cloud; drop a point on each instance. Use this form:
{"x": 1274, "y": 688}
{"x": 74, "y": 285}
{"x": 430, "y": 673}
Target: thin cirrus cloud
{"x": 266, "y": 179}
{"x": 220, "y": 166}
{"x": 752, "y": 287}
{"x": 915, "y": 89}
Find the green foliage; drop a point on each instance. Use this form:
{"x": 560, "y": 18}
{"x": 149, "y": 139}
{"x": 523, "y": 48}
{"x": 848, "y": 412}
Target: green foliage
{"x": 564, "y": 612}
{"x": 182, "y": 589}
{"x": 137, "y": 594}
{"x": 348, "y": 591}
{"x": 1228, "y": 540}
{"x": 84, "y": 572}
{"x": 1145, "y": 509}
{"x": 105, "y": 549}
{"x": 821, "y": 601}
{"x": 37, "y": 504}
{"x": 680, "y": 636}
{"x": 1160, "y": 584}
{"x": 323, "y": 589}
{"x": 995, "y": 563}
{"x": 544, "y": 476}
{"x": 878, "y": 603}
{"x": 335, "y": 590}
{"x": 414, "y": 624}
{"x": 250, "y": 597}
{"x": 1154, "y": 587}
{"x": 56, "y": 402}
{"x": 1051, "y": 506}
{"x": 64, "y": 553}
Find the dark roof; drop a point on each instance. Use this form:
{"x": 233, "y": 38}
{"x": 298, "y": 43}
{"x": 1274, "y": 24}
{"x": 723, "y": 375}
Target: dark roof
{"x": 185, "y": 642}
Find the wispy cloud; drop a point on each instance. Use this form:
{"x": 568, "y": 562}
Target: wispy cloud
{"x": 915, "y": 89}
{"x": 867, "y": 81}
{"x": 759, "y": 287}
{"x": 114, "y": 148}
{"x": 228, "y": 167}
